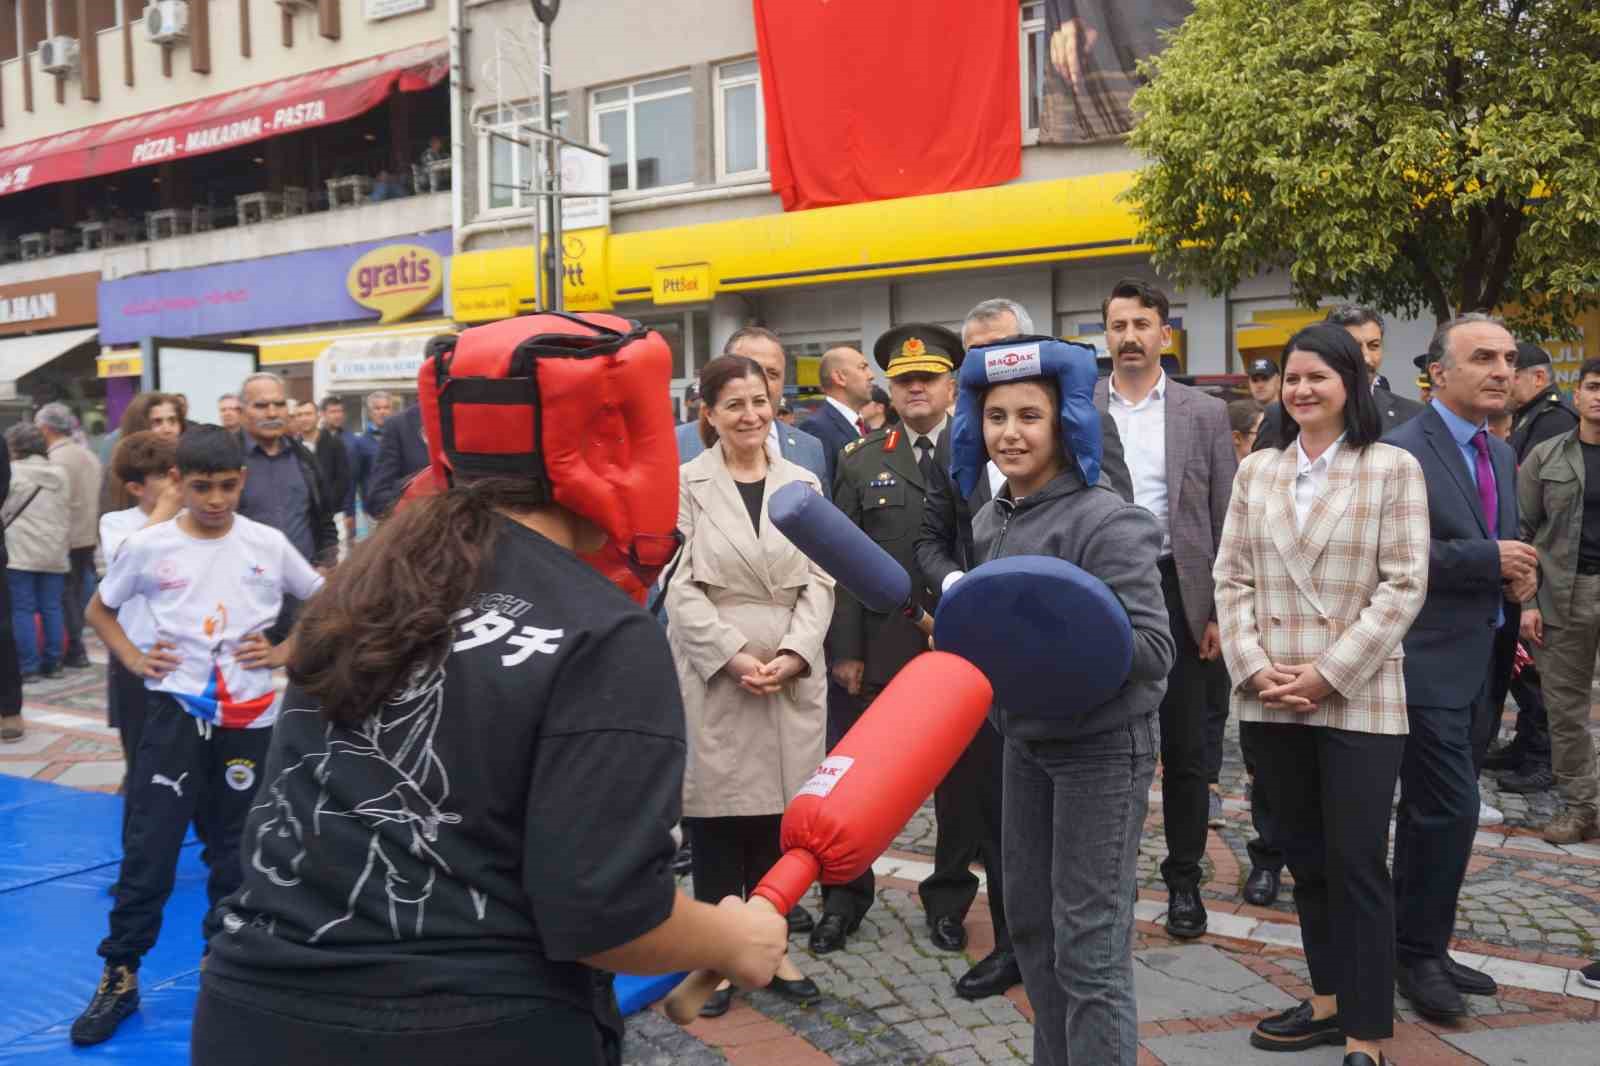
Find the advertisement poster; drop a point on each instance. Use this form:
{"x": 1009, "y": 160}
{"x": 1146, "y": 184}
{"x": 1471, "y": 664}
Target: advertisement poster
{"x": 1092, "y": 54}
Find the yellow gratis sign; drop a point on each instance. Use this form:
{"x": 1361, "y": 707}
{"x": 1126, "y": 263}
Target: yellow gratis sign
{"x": 397, "y": 280}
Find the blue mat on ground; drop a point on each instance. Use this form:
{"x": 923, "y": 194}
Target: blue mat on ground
{"x": 158, "y": 1032}
{"x": 49, "y": 831}
{"x": 50, "y": 932}
{"x": 21, "y": 791}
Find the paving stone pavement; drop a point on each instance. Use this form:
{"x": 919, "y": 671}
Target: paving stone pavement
{"x": 1530, "y": 912}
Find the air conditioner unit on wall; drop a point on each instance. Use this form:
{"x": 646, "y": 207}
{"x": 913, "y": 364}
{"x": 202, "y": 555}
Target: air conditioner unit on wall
{"x": 167, "y": 21}
{"x": 58, "y": 55}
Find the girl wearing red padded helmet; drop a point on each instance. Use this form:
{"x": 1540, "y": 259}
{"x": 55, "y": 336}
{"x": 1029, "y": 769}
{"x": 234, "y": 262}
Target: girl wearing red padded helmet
{"x": 466, "y": 815}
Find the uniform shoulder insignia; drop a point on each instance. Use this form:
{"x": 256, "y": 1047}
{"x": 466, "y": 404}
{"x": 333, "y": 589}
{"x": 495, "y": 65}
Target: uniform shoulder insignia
{"x": 853, "y": 445}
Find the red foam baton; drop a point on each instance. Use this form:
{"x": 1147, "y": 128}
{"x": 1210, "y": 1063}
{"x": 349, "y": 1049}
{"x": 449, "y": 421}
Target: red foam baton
{"x": 866, "y": 790}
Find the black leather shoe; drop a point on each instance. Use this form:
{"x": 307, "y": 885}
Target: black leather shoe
{"x": 1532, "y": 777}
{"x": 1186, "y": 913}
{"x": 803, "y": 991}
{"x": 1361, "y": 1058}
{"x": 800, "y": 920}
{"x": 990, "y": 976}
{"x": 1506, "y": 756}
{"x": 1295, "y": 1030}
{"x": 1428, "y": 986}
{"x": 948, "y": 933}
{"x": 718, "y": 1004}
{"x": 830, "y": 933}
{"x": 1262, "y": 886}
{"x": 80, "y": 661}
{"x": 1470, "y": 981}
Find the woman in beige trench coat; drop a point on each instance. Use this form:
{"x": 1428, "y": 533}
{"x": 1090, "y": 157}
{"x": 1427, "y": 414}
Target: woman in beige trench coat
{"x": 747, "y": 616}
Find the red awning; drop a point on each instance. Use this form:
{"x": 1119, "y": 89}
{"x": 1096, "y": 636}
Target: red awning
{"x": 224, "y": 121}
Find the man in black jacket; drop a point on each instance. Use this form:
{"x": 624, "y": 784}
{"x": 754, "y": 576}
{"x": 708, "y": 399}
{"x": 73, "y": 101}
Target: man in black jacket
{"x": 401, "y": 453}
{"x": 333, "y": 461}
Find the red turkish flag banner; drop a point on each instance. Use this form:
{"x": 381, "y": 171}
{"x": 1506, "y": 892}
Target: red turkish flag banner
{"x": 875, "y": 99}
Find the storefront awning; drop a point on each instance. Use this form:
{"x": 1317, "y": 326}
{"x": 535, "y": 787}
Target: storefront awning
{"x": 20, "y": 356}
{"x": 279, "y": 349}
{"x": 223, "y": 121}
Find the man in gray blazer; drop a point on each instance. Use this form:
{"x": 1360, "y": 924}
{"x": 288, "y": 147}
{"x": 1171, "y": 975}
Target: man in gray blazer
{"x": 1179, "y": 451}
{"x": 795, "y": 445}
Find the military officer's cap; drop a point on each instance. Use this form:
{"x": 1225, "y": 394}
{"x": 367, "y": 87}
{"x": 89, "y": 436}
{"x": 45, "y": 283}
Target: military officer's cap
{"x": 918, "y": 348}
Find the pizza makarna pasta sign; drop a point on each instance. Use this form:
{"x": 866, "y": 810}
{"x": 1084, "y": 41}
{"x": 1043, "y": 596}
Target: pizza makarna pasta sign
{"x": 396, "y": 280}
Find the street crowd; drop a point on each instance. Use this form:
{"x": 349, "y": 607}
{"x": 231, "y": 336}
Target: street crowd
{"x": 1359, "y": 579}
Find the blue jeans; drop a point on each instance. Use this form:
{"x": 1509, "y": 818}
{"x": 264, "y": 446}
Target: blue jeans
{"x": 35, "y": 593}
{"x": 1074, "y": 813}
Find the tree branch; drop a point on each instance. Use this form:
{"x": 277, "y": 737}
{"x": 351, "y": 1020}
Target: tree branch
{"x": 1512, "y": 219}
{"x": 1433, "y": 286}
{"x": 1476, "y": 255}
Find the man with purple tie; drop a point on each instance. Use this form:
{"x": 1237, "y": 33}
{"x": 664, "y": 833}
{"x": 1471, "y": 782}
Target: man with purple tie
{"x": 1478, "y": 574}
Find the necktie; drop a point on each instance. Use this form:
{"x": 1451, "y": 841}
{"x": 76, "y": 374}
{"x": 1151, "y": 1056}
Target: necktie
{"x": 1488, "y": 497}
{"x": 925, "y": 459}
{"x": 861, "y": 427}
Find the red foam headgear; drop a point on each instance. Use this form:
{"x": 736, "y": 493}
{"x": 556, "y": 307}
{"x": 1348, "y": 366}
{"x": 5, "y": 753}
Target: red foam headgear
{"x": 578, "y": 404}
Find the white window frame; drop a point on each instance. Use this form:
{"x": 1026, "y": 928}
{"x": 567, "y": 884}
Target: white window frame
{"x": 1027, "y": 27}
{"x": 739, "y": 81}
{"x": 596, "y": 110}
{"x": 525, "y": 109}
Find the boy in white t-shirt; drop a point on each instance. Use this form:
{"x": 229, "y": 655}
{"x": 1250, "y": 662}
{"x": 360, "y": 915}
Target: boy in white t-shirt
{"x": 143, "y": 463}
{"x": 213, "y": 582}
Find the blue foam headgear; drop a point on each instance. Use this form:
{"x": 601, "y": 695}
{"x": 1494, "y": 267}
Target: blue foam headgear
{"x": 1022, "y": 359}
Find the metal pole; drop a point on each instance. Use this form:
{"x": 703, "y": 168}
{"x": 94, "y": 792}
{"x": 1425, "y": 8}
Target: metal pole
{"x": 555, "y": 272}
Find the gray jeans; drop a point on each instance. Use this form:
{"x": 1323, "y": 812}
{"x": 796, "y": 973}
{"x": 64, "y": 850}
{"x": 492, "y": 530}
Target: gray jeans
{"x": 1566, "y": 666}
{"x": 1074, "y": 813}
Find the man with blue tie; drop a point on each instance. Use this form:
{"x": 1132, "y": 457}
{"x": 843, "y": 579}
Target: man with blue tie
{"x": 796, "y": 445}
{"x": 1478, "y": 572}
{"x": 846, "y": 388}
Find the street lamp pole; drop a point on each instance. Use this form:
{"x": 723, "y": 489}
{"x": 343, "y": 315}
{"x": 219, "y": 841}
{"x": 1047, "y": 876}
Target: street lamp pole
{"x": 553, "y": 265}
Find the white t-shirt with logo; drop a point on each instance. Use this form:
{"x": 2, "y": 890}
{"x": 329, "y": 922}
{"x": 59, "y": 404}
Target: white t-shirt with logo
{"x": 134, "y": 615}
{"x": 204, "y": 597}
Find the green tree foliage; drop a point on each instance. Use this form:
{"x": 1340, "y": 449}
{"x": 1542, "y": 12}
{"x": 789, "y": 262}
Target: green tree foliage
{"x": 1412, "y": 154}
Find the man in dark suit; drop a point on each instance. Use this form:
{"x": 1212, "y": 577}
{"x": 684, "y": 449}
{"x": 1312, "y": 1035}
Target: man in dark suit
{"x": 1366, "y": 326}
{"x": 1478, "y": 571}
{"x": 401, "y": 453}
{"x": 846, "y": 388}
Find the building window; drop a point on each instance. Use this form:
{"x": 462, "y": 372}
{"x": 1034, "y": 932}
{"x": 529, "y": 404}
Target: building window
{"x": 649, "y": 128}
{"x": 508, "y": 167}
{"x": 1034, "y": 63}
{"x": 741, "y": 120}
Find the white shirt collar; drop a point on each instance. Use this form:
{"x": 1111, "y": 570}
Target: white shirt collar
{"x": 1156, "y": 395}
{"x": 774, "y": 448}
{"x": 849, "y": 415}
{"x": 1305, "y": 464}
{"x": 932, "y": 435}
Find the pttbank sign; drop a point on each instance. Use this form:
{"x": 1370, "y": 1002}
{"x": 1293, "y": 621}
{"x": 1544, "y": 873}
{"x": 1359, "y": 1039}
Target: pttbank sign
{"x": 397, "y": 280}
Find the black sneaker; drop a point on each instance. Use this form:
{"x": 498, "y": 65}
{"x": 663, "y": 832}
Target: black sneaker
{"x": 1531, "y": 778}
{"x": 79, "y": 661}
{"x": 53, "y": 671}
{"x": 32, "y": 678}
{"x": 115, "y": 999}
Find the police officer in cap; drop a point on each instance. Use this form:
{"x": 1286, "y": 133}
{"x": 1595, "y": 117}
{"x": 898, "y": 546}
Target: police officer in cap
{"x": 1541, "y": 412}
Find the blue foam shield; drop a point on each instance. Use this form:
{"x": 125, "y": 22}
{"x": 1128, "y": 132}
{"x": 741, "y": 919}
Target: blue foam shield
{"x": 1051, "y": 638}
{"x": 828, "y": 538}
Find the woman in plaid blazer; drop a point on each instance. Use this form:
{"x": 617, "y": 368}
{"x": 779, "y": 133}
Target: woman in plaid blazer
{"x": 1323, "y": 566}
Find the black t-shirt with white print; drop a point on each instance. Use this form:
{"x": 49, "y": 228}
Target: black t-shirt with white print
{"x": 507, "y": 812}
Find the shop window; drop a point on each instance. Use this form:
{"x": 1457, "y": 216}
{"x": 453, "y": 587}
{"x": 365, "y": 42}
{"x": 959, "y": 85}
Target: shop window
{"x": 649, "y": 128}
{"x": 1034, "y": 62}
{"x": 741, "y": 120}
{"x": 508, "y": 167}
